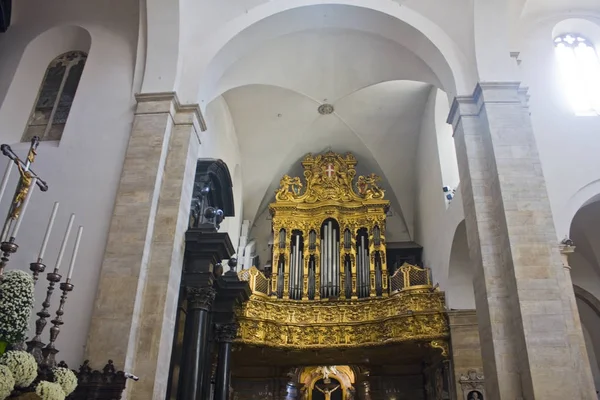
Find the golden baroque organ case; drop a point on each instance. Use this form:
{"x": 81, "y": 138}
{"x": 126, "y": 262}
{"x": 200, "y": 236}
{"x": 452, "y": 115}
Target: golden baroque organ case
{"x": 330, "y": 285}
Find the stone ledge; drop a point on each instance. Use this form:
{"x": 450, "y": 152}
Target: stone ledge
{"x": 168, "y": 102}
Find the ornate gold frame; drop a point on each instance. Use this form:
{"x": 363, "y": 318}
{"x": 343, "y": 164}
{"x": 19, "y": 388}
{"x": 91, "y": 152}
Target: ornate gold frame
{"x": 323, "y": 198}
{"x": 413, "y": 314}
{"x": 412, "y": 311}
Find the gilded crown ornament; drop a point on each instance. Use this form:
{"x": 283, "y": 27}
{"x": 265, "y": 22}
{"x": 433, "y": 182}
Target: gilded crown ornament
{"x": 329, "y": 177}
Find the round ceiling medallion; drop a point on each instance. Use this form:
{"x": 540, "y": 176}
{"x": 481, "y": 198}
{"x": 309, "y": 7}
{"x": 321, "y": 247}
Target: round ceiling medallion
{"x": 325, "y": 109}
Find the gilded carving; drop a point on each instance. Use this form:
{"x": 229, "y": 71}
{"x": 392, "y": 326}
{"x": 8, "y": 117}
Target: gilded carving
{"x": 352, "y": 323}
{"x": 329, "y": 177}
{"x": 410, "y": 310}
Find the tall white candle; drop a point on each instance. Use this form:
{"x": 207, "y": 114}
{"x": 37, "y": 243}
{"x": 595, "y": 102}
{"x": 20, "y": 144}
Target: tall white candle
{"x": 5, "y": 178}
{"x": 48, "y": 230}
{"x": 75, "y": 250}
{"x": 24, "y": 208}
{"x": 64, "y": 242}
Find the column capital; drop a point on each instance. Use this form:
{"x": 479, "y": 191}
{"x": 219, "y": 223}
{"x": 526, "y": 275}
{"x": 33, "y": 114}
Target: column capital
{"x": 200, "y": 298}
{"x": 486, "y": 92}
{"x": 226, "y": 332}
{"x": 168, "y": 102}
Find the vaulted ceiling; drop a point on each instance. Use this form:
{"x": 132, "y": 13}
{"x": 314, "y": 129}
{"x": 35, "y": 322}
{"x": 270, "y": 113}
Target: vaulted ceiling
{"x": 369, "y": 67}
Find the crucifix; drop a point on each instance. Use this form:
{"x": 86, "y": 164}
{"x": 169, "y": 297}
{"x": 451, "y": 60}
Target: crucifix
{"x": 327, "y": 388}
{"x": 329, "y": 170}
{"x": 27, "y": 181}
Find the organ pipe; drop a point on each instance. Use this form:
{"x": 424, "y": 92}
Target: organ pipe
{"x": 333, "y": 261}
{"x": 298, "y": 265}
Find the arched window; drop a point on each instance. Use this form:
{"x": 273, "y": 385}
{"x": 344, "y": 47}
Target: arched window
{"x": 580, "y": 68}
{"x": 56, "y": 96}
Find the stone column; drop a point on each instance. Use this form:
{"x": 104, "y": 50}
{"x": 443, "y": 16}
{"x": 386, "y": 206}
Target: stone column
{"x": 193, "y": 375}
{"x": 133, "y": 319}
{"x": 225, "y": 334}
{"x": 528, "y": 349}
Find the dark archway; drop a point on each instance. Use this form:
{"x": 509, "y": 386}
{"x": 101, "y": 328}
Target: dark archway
{"x": 213, "y": 189}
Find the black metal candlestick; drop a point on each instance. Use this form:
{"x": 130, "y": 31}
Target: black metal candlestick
{"x": 36, "y": 345}
{"x": 37, "y": 268}
{"x": 50, "y": 350}
{"x": 7, "y": 249}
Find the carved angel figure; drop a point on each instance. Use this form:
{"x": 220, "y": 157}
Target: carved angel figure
{"x": 288, "y": 188}
{"x": 327, "y": 372}
{"x": 368, "y": 188}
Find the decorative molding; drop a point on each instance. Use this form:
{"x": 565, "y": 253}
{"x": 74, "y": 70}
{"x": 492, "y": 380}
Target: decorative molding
{"x": 177, "y": 107}
{"x": 200, "y": 298}
{"x": 472, "y": 385}
{"x": 226, "y": 333}
{"x": 490, "y": 93}
{"x": 406, "y": 316}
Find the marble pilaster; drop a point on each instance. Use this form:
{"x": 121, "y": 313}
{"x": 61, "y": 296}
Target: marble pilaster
{"x": 530, "y": 347}
{"x": 139, "y": 279}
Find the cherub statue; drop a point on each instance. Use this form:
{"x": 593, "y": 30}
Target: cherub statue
{"x": 288, "y": 188}
{"x": 368, "y": 188}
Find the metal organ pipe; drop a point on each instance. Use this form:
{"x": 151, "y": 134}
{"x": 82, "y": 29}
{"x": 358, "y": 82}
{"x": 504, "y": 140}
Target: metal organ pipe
{"x": 298, "y": 266}
{"x": 362, "y": 264}
{"x": 334, "y": 264}
{"x": 339, "y": 266}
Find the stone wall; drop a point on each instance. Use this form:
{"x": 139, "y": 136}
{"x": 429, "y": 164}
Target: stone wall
{"x": 466, "y": 348}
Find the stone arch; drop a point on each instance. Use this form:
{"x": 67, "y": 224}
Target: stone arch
{"x": 590, "y": 30}
{"x": 460, "y": 274}
{"x": 586, "y": 195}
{"x": 160, "y": 43}
{"x": 216, "y": 174}
{"x": 589, "y": 314}
{"x": 459, "y": 74}
{"x": 37, "y": 55}
{"x": 585, "y": 275}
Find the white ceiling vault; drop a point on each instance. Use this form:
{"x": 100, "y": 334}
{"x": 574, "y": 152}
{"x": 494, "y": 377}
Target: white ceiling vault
{"x": 370, "y": 67}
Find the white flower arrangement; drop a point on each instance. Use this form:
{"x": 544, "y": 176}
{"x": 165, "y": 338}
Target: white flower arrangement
{"x": 7, "y": 382}
{"x": 22, "y": 365}
{"x": 66, "y": 379}
{"x": 16, "y": 303}
{"x": 50, "y": 391}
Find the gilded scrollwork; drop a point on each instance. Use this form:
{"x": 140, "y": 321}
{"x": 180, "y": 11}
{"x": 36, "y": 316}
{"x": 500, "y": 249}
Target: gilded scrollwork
{"x": 316, "y": 324}
{"x": 441, "y": 345}
{"x": 329, "y": 177}
{"x": 368, "y": 188}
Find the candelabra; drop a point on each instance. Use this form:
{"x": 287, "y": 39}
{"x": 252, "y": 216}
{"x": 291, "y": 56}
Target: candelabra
{"x": 44, "y": 354}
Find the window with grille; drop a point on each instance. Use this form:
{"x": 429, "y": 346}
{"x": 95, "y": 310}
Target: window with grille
{"x": 56, "y": 96}
{"x": 580, "y": 69}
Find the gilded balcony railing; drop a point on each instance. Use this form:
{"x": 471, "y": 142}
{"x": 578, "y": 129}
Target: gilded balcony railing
{"x": 259, "y": 284}
{"x": 410, "y": 277}
{"x": 407, "y": 277}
